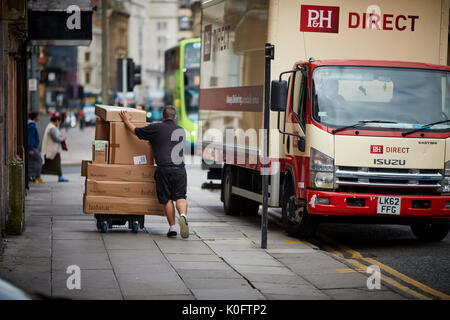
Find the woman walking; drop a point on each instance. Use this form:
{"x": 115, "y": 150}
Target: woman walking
{"x": 51, "y": 149}
{"x": 34, "y": 157}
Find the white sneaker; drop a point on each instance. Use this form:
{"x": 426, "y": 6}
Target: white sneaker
{"x": 184, "y": 229}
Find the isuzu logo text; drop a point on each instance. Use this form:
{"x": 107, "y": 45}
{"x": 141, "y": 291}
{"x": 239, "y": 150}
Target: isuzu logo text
{"x": 389, "y": 162}
{"x": 319, "y": 19}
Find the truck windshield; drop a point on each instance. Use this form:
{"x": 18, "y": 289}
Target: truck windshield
{"x": 397, "y": 98}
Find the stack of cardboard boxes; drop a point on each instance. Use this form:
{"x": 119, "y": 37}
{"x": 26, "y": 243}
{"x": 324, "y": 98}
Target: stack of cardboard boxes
{"x": 119, "y": 179}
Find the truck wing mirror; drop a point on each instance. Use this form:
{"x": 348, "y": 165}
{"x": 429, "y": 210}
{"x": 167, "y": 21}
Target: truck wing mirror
{"x": 301, "y": 144}
{"x": 278, "y": 98}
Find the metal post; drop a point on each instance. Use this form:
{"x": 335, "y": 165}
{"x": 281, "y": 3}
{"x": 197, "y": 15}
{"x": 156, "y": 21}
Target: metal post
{"x": 3, "y": 116}
{"x": 269, "y": 50}
{"x": 105, "y": 52}
{"x": 34, "y": 76}
{"x": 124, "y": 81}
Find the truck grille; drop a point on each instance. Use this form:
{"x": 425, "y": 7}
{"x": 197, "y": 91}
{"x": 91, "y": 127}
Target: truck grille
{"x": 382, "y": 177}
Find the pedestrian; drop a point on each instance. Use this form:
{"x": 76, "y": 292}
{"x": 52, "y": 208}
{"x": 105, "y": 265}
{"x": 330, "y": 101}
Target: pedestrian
{"x": 51, "y": 149}
{"x": 34, "y": 157}
{"x": 81, "y": 120}
{"x": 166, "y": 138}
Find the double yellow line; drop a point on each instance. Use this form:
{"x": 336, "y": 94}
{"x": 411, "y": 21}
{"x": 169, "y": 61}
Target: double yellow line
{"x": 358, "y": 260}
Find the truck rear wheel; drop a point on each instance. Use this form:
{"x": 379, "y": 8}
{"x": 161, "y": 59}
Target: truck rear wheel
{"x": 231, "y": 202}
{"x": 433, "y": 230}
{"x": 296, "y": 220}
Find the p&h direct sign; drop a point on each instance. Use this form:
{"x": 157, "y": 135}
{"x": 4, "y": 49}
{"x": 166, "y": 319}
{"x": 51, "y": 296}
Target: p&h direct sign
{"x": 327, "y": 18}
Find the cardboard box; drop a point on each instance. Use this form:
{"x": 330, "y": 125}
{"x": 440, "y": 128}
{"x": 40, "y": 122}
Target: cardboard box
{"x": 111, "y": 113}
{"x": 102, "y": 130}
{"x": 120, "y": 189}
{"x": 100, "y": 151}
{"x": 120, "y": 205}
{"x": 84, "y": 164}
{"x": 126, "y": 148}
{"x": 119, "y": 172}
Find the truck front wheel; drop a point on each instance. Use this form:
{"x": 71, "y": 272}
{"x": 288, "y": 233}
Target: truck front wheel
{"x": 433, "y": 230}
{"x": 296, "y": 220}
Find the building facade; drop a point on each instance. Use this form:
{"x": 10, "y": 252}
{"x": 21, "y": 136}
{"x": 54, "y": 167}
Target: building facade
{"x": 13, "y": 110}
{"x": 90, "y": 59}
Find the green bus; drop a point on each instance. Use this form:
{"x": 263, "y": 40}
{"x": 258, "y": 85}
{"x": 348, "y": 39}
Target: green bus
{"x": 182, "y": 83}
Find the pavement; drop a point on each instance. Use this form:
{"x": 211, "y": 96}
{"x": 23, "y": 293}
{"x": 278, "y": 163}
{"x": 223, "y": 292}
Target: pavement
{"x": 221, "y": 260}
{"x": 79, "y": 144}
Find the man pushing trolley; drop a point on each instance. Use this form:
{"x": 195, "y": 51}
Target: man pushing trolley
{"x": 168, "y": 141}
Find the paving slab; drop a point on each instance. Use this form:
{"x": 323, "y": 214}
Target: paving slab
{"x": 287, "y": 289}
{"x": 129, "y": 241}
{"x": 76, "y": 235}
{"x": 150, "y": 268}
{"x": 38, "y": 282}
{"x": 195, "y": 265}
{"x": 85, "y": 260}
{"x": 228, "y": 294}
{"x": 61, "y": 247}
{"x": 208, "y": 274}
{"x": 337, "y": 280}
{"x": 173, "y": 246}
{"x": 281, "y": 270}
{"x": 313, "y": 263}
{"x": 208, "y": 283}
{"x": 155, "y": 284}
{"x": 181, "y": 257}
{"x": 362, "y": 294}
{"x": 88, "y": 294}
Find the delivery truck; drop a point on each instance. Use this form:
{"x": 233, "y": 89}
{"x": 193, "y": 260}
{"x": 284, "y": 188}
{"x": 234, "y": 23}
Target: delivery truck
{"x": 359, "y": 110}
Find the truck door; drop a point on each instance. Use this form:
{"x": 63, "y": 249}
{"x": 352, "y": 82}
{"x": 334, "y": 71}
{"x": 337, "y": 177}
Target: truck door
{"x": 296, "y": 123}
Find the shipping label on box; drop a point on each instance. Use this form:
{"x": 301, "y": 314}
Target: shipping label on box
{"x": 112, "y": 113}
{"x": 125, "y": 146}
{"x": 120, "y": 205}
{"x": 100, "y": 151}
{"x": 118, "y": 172}
{"x": 120, "y": 189}
{"x": 140, "y": 160}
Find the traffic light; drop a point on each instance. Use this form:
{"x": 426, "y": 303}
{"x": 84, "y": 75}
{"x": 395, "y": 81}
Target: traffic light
{"x": 80, "y": 92}
{"x": 133, "y": 74}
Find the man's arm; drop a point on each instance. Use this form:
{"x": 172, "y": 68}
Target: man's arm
{"x": 126, "y": 119}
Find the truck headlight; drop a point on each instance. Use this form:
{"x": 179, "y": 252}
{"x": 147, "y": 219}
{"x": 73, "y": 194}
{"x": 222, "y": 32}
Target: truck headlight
{"x": 445, "y": 183}
{"x": 447, "y": 169}
{"x": 321, "y": 170}
{"x": 322, "y": 180}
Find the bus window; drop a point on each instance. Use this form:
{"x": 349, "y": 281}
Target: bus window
{"x": 191, "y": 96}
{"x": 192, "y": 56}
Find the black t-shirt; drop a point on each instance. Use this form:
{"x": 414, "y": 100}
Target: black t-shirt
{"x": 167, "y": 140}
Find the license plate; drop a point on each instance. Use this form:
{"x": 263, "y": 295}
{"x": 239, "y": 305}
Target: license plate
{"x": 389, "y": 205}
